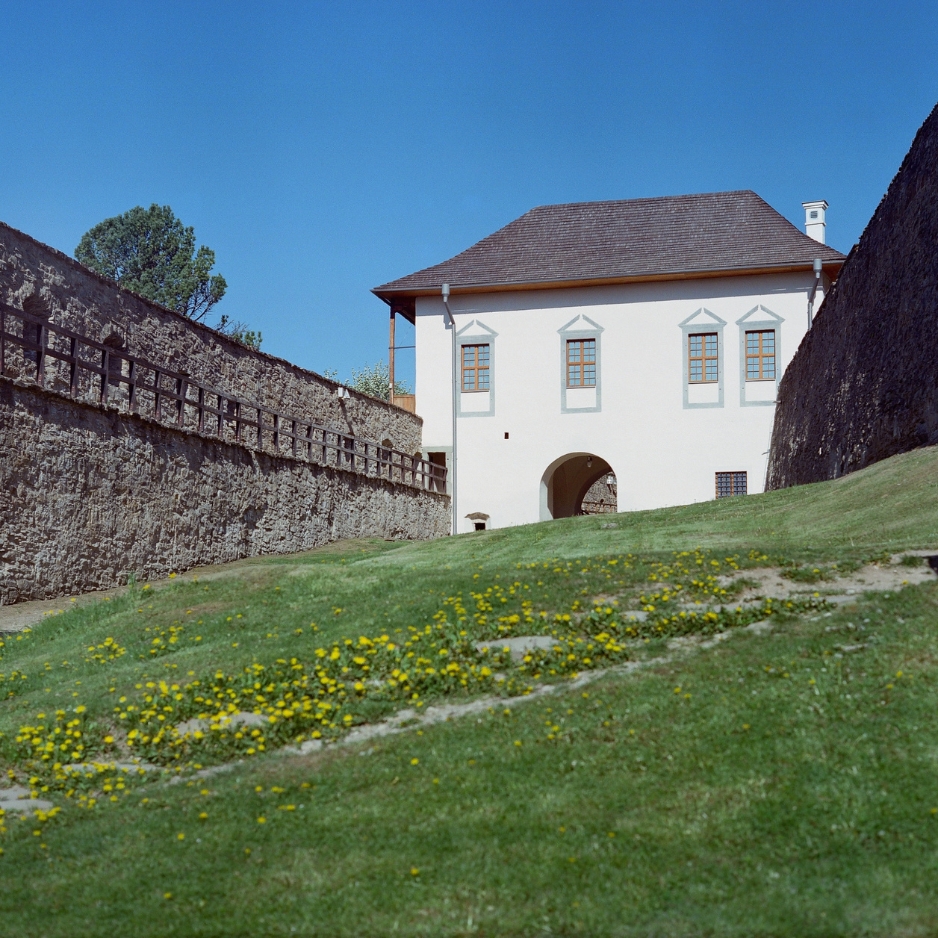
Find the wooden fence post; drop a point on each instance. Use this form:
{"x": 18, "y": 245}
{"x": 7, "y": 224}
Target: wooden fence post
{"x": 181, "y": 391}
{"x": 132, "y": 375}
{"x": 105, "y": 365}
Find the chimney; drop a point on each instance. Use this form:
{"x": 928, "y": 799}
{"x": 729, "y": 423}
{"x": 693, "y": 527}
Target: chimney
{"x": 814, "y": 224}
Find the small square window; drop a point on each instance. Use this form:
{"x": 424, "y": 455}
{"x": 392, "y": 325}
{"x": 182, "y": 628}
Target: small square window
{"x": 703, "y": 358}
{"x": 731, "y": 483}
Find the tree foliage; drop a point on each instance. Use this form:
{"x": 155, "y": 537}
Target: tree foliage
{"x": 374, "y": 380}
{"x": 240, "y": 332}
{"x": 151, "y": 252}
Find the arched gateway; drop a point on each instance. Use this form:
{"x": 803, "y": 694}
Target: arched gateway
{"x": 566, "y": 482}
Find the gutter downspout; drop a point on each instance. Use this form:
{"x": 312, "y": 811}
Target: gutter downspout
{"x": 455, "y": 364}
{"x": 818, "y": 267}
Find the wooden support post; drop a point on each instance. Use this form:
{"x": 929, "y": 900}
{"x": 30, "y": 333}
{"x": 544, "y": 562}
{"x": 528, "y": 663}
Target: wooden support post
{"x": 133, "y": 385}
{"x": 73, "y": 368}
{"x": 105, "y": 367}
{"x": 181, "y": 390}
{"x": 391, "y": 357}
{"x": 42, "y": 336}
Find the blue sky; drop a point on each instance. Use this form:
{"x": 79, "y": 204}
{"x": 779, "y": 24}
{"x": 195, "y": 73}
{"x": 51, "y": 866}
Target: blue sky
{"x": 323, "y": 148}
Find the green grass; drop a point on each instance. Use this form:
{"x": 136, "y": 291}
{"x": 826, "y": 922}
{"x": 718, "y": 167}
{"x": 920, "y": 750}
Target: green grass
{"x": 786, "y": 788}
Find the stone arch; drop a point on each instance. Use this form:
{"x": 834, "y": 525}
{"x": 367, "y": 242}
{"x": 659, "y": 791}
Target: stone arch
{"x": 567, "y": 480}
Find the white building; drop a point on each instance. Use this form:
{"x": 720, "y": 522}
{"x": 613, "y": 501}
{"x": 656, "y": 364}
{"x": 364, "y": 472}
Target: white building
{"x": 642, "y": 339}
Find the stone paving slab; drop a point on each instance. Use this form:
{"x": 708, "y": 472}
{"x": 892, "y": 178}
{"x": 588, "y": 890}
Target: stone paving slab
{"x": 18, "y": 798}
{"x": 238, "y": 718}
{"x": 520, "y": 645}
{"x": 93, "y": 768}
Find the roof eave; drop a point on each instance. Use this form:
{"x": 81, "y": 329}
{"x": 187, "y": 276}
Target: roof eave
{"x": 389, "y": 295}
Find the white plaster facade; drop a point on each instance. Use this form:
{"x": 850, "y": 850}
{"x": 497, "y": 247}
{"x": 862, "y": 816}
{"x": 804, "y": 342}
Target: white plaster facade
{"x": 664, "y": 437}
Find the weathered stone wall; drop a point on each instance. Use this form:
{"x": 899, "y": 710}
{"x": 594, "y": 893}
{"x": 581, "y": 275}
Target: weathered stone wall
{"x": 89, "y": 495}
{"x": 863, "y": 386}
{"x": 93, "y": 306}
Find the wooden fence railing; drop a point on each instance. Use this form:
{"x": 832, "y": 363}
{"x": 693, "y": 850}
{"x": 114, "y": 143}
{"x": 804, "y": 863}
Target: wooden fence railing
{"x": 61, "y": 360}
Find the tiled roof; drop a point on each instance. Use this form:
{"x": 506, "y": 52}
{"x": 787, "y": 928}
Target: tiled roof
{"x": 635, "y": 238}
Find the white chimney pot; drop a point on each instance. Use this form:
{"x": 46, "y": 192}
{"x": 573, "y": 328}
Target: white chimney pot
{"x": 815, "y": 225}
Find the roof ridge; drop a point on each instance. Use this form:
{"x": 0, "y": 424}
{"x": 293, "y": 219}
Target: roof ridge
{"x": 663, "y": 236}
{"x": 644, "y": 198}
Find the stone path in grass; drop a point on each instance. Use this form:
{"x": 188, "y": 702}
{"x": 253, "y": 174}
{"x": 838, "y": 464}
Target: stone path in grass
{"x": 883, "y": 577}
{"x": 18, "y": 799}
{"x": 411, "y": 719}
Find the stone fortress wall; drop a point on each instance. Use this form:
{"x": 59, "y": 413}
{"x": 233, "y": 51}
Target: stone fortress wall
{"x": 39, "y": 278}
{"x": 91, "y": 493}
{"x": 863, "y": 385}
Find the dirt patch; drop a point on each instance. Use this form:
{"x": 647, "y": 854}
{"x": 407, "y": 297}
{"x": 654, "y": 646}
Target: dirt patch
{"x": 21, "y": 616}
{"x": 874, "y": 577}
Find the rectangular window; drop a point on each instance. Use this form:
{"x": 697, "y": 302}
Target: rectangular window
{"x": 731, "y": 483}
{"x": 581, "y": 363}
{"x": 475, "y": 367}
{"x": 703, "y": 359}
{"x": 760, "y": 355}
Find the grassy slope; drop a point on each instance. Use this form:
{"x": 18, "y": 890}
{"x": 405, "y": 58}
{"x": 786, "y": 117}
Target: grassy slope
{"x": 761, "y": 804}
{"x": 892, "y": 504}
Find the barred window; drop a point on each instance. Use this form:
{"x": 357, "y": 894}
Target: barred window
{"x": 760, "y": 355}
{"x": 581, "y": 363}
{"x": 731, "y": 483}
{"x": 703, "y": 359}
{"x": 475, "y": 367}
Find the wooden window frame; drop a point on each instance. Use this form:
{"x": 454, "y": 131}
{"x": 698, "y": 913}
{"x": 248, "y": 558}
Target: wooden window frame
{"x": 580, "y": 362}
{"x": 703, "y": 358}
{"x": 728, "y": 484}
{"x": 761, "y": 355}
{"x": 476, "y": 371}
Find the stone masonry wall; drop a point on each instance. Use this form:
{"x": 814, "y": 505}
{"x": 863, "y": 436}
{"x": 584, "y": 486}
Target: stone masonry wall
{"x": 89, "y": 495}
{"x": 863, "y": 386}
{"x": 91, "y": 305}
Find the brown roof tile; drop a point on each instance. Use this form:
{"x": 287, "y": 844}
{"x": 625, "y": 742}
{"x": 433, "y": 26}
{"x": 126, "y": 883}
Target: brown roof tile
{"x": 635, "y": 238}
